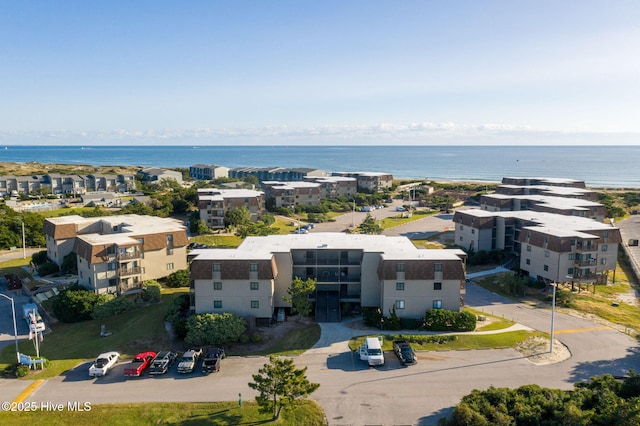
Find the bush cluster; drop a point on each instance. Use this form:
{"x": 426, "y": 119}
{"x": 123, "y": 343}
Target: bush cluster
{"x": 444, "y": 320}
{"x": 177, "y": 315}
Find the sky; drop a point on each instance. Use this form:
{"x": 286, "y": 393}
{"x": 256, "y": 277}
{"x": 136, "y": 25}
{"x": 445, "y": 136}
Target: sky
{"x": 467, "y": 72}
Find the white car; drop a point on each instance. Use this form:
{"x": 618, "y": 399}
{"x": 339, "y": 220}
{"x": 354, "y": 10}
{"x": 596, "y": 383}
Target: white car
{"x": 103, "y": 364}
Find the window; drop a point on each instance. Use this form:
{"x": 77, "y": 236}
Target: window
{"x": 254, "y": 285}
{"x": 462, "y": 227}
{"x": 111, "y": 266}
{"x": 546, "y": 267}
{"x": 399, "y": 286}
{"x": 546, "y": 253}
{"x": 217, "y": 304}
{"x": 461, "y": 239}
{"x": 400, "y": 267}
{"x": 473, "y": 231}
{"x": 570, "y": 272}
{"x": 437, "y": 267}
{"x": 141, "y": 241}
{"x": 528, "y": 261}
{"x": 253, "y": 267}
{"x": 437, "y": 304}
{"x": 604, "y": 247}
{"x": 573, "y": 242}
{"x": 528, "y": 248}
{"x": 603, "y": 261}
{"x": 217, "y": 285}
{"x": 399, "y": 304}
{"x": 605, "y": 234}
{"x": 216, "y": 267}
{"x": 255, "y": 304}
{"x": 437, "y": 286}
{"x": 169, "y": 266}
{"x": 571, "y": 256}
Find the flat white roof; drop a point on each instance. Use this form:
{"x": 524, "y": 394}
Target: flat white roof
{"x": 389, "y": 247}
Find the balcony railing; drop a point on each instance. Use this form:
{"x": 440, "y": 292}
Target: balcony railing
{"x": 129, "y": 255}
{"x": 589, "y": 262}
{"x": 128, "y": 287}
{"x": 136, "y": 270}
{"x": 586, "y": 248}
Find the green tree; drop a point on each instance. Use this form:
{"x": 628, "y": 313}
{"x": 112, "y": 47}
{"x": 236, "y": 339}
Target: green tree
{"x": 214, "y": 329}
{"x": 238, "y": 216}
{"x": 280, "y": 384}
{"x": 76, "y": 304}
{"x": 69, "y": 264}
{"x": 299, "y": 292}
{"x": 370, "y": 226}
{"x": 179, "y": 279}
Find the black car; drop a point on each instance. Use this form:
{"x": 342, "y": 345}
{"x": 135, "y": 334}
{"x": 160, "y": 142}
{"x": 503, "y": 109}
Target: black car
{"x": 404, "y": 352}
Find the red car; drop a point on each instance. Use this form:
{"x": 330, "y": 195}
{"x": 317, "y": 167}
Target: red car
{"x": 139, "y": 363}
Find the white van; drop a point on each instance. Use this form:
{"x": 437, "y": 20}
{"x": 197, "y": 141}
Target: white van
{"x": 371, "y": 351}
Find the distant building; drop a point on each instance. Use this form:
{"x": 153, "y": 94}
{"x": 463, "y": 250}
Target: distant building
{"x": 208, "y": 172}
{"x": 369, "y": 181}
{"x": 335, "y": 186}
{"x": 358, "y": 270}
{"x": 214, "y": 203}
{"x": 292, "y": 194}
{"x": 156, "y": 175}
{"x": 116, "y": 254}
{"x": 275, "y": 173}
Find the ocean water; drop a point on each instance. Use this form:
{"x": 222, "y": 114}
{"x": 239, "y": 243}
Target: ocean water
{"x": 598, "y": 166}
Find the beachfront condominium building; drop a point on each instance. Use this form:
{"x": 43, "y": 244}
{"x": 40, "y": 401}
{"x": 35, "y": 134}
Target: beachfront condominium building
{"x": 116, "y": 254}
{"x": 157, "y": 175}
{"x": 213, "y": 203}
{"x": 292, "y": 194}
{"x": 369, "y": 181}
{"x": 550, "y": 247}
{"x": 357, "y": 270}
{"x": 208, "y": 172}
{"x": 276, "y": 173}
{"x": 335, "y": 186}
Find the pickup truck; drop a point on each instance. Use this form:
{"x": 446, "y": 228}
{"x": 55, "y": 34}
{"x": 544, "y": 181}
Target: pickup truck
{"x": 404, "y": 352}
{"x": 189, "y": 361}
{"x": 138, "y": 364}
{"x": 162, "y": 362}
{"x": 211, "y": 362}
{"x": 103, "y": 364}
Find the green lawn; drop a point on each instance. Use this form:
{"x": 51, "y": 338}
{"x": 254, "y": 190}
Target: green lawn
{"x": 305, "y": 412}
{"x": 461, "y": 341}
{"x": 295, "y": 342}
{"x": 218, "y": 241}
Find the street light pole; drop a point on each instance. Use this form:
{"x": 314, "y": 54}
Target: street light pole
{"x": 353, "y": 215}
{"x": 553, "y": 311}
{"x": 24, "y": 247}
{"x": 15, "y": 329}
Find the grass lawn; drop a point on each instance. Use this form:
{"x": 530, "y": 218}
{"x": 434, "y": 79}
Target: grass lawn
{"x": 218, "y": 241}
{"x": 390, "y": 222}
{"x": 70, "y": 344}
{"x": 295, "y": 342}
{"x": 14, "y": 263}
{"x": 492, "y": 322}
{"x": 305, "y": 412}
{"x": 423, "y": 342}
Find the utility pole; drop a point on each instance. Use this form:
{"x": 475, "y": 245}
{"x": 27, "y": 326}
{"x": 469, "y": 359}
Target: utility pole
{"x": 553, "y": 312}
{"x": 24, "y": 247}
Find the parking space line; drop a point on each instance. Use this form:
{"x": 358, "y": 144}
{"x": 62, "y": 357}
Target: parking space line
{"x": 25, "y": 393}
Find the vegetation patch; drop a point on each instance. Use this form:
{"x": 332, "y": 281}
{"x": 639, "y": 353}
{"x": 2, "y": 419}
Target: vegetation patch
{"x": 305, "y": 412}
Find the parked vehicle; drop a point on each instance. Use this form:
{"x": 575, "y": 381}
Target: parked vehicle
{"x": 162, "y": 361}
{"x": 32, "y": 317}
{"x": 139, "y": 363}
{"x": 404, "y": 352}
{"x": 301, "y": 231}
{"x": 212, "y": 358}
{"x": 103, "y": 364}
{"x": 400, "y": 209}
{"x": 371, "y": 351}
{"x": 189, "y": 361}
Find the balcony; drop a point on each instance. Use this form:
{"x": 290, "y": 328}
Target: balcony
{"x": 588, "y": 262}
{"x": 136, "y": 270}
{"x": 129, "y": 255}
{"x": 586, "y": 247}
{"x": 124, "y": 288}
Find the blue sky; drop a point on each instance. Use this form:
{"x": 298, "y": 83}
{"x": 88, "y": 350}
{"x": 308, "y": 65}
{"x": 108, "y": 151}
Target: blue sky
{"x": 320, "y": 72}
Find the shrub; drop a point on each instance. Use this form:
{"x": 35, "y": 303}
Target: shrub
{"x": 177, "y": 315}
{"x": 255, "y": 338}
{"x": 75, "y": 304}
{"x": 47, "y": 268}
{"x": 152, "y": 291}
{"x": 443, "y": 320}
{"x": 372, "y": 316}
{"x": 214, "y": 329}
{"x": 114, "y": 306}
{"x": 243, "y": 339}
{"x": 22, "y": 371}
{"x": 39, "y": 258}
{"x": 178, "y": 279}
